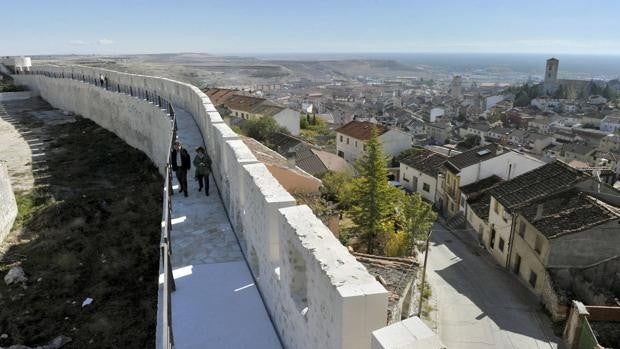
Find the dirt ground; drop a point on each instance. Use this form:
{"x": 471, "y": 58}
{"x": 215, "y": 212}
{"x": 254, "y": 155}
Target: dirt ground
{"x": 88, "y": 227}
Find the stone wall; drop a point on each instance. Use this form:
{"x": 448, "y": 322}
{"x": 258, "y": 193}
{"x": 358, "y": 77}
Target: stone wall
{"x": 139, "y": 123}
{"x": 14, "y": 96}
{"x": 8, "y": 206}
{"x": 317, "y": 294}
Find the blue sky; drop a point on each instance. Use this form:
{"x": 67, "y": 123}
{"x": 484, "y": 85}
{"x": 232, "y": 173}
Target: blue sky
{"x": 336, "y": 26}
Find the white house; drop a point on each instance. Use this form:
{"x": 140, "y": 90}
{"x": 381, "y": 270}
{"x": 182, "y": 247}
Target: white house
{"x": 436, "y": 113}
{"x": 420, "y": 173}
{"x": 351, "y": 139}
{"x": 289, "y": 119}
{"x": 610, "y": 123}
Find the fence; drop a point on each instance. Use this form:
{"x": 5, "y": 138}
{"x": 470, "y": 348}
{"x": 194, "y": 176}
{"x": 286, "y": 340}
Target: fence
{"x": 165, "y": 245}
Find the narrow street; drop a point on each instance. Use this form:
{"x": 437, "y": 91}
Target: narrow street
{"x": 478, "y": 304}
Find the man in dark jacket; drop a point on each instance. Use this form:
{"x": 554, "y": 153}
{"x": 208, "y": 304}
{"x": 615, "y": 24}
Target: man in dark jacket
{"x": 181, "y": 163}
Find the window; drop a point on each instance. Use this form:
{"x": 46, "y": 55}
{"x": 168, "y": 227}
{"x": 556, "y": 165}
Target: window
{"x": 340, "y": 153}
{"x": 538, "y": 245}
{"x": 533, "y": 278}
{"x": 501, "y": 244}
{"x": 426, "y": 187}
{"x": 517, "y": 266}
{"x": 340, "y": 138}
{"x": 522, "y": 229}
{"x": 492, "y": 238}
{"x": 356, "y": 144}
{"x": 347, "y": 140}
{"x": 405, "y": 178}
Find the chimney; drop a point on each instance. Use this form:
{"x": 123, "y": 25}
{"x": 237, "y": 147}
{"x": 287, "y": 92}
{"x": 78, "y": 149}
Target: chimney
{"x": 291, "y": 161}
{"x": 539, "y": 212}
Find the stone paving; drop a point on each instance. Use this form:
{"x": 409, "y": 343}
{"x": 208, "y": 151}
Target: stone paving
{"x": 216, "y": 304}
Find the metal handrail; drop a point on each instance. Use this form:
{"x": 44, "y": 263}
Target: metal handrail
{"x": 165, "y": 246}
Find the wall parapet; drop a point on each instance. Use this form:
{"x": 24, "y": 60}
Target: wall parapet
{"x": 8, "y": 205}
{"x": 317, "y": 294}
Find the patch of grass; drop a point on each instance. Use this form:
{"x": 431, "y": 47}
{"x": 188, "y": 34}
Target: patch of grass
{"x": 427, "y": 292}
{"x": 28, "y": 203}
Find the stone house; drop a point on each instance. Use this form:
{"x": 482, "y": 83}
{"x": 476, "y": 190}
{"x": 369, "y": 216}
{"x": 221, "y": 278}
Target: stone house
{"x": 351, "y": 139}
{"x": 509, "y": 199}
{"x": 420, "y": 173}
{"x": 570, "y": 229}
{"x": 610, "y": 123}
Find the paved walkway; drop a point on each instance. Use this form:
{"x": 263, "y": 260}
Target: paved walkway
{"x": 479, "y": 304}
{"x": 216, "y": 304}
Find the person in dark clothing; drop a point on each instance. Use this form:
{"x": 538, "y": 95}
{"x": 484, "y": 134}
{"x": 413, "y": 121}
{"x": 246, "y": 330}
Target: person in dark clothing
{"x": 181, "y": 163}
{"x": 202, "y": 164}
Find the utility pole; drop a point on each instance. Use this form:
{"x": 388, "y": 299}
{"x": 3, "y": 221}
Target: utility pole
{"x": 428, "y": 239}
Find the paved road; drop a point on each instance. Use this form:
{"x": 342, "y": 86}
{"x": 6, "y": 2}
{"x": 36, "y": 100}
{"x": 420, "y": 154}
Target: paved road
{"x": 479, "y": 305}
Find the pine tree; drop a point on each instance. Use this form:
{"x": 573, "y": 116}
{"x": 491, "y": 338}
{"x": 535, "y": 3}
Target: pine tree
{"x": 371, "y": 192}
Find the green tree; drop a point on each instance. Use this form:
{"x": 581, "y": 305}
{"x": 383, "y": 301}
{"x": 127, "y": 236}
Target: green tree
{"x": 371, "y": 192}
{"x": 471, "y": 141}
{"x": 522, "y": 99}
{"x": 608, "y": 93}
{"x": 262, "y": 129}
{"x": 419, "y": 218}
{"x": 303, "y": 123}
{"x": 338, "y": 187}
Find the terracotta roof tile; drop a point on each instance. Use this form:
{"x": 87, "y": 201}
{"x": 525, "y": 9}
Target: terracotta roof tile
{"x": 361, "y": 129}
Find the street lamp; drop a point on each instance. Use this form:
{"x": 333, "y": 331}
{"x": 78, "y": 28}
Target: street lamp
{"x": 428, "y": 239}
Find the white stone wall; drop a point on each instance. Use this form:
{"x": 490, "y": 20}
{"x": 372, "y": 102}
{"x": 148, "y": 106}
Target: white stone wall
{"x": 407, "y": 180}
{"x": 289, "y": 119}
{"x": 139, "y": 123}
{"x": 395, "y": 141}
{"x": 507, "y": 166}
{"x": 350, "y": 147}
{"x": 318, "y": 295}
{"x": 8, "y": 206}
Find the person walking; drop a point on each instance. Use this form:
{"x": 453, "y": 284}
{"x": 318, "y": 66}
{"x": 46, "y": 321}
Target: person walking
{"x": 202, "y": 164}
{"x": 181, "y": 163}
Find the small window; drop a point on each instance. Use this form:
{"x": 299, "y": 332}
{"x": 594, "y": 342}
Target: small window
{"x": 347, "y": 140}
{"x": 426, "y": 187}
{"x": 356, "y": 144}
{"x": 533, "y": 278}
{"x": 538, "y": 245}
{"x": 501, "y": 244}
{"x": 341, "y": 138}
{"x": 496, "y": 206}
{"x": 405, "y": 178}
{"x": 522, "y": 229}
{"x": 341, "y": 153}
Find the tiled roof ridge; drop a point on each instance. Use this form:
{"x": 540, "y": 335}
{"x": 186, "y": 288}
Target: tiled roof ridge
{"x": 561, "y": 189}
{"x": 592, "y": 202}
